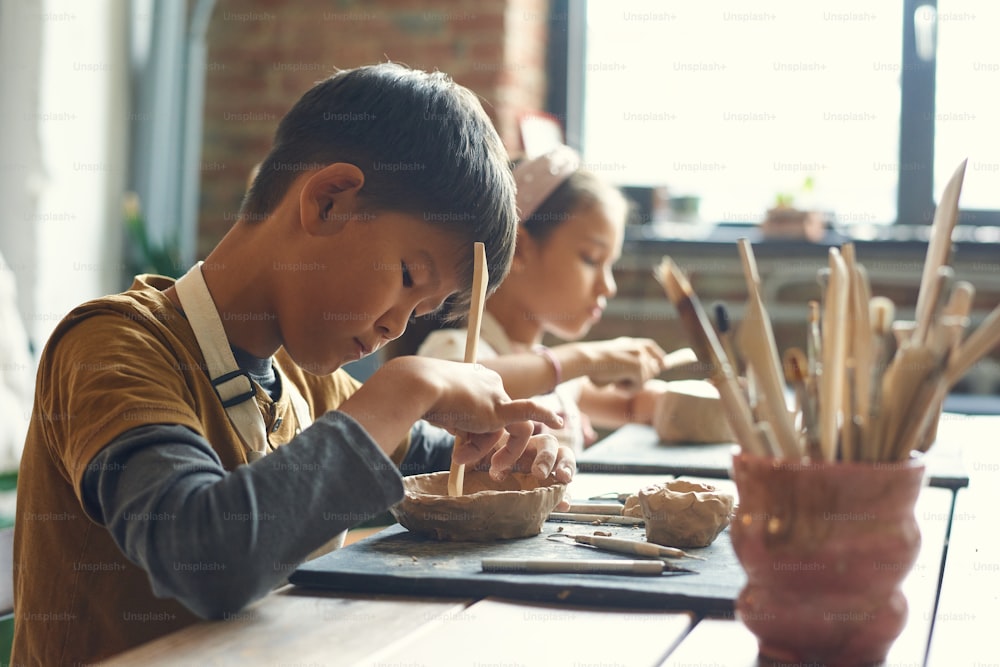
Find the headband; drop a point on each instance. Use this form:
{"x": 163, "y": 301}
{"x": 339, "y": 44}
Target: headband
{"x": 538, "y": 178}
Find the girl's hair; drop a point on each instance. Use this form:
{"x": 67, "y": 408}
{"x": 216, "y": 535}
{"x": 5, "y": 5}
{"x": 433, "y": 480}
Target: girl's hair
{"x": 426, "y": 148}
{"x": 581, "y": 190}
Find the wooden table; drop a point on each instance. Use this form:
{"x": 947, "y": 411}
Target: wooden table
{"x": 948, "y": 625}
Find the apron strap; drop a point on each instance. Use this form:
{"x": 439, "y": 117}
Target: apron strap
{"x": 233, "y": 385}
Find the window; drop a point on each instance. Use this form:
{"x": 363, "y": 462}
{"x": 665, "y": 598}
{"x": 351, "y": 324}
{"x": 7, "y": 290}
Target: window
{"x": 967, "y": 112}
{"x": 831, "y": 103}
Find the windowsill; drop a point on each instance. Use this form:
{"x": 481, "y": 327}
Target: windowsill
{"x": 895, "y": 236}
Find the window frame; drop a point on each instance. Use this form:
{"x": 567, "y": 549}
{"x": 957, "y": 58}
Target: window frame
{"x": 915, "y": 191}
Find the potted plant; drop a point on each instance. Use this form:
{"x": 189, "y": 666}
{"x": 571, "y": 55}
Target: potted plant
{"x": 786, "y": 220}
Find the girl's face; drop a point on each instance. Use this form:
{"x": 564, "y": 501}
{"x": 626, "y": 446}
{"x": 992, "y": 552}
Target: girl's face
{"x": 568, "y": 275}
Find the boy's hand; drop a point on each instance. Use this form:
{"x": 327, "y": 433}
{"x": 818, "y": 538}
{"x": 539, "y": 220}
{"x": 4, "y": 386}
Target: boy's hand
{"x": 542, "y": 456}
{"x": 462, "y": 398}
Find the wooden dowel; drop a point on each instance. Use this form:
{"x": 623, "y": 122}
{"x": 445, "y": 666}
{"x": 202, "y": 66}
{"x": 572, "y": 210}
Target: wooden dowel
{"x": 939, "y": 247}
{"x": 834, "y": 352}
{"x": 709, "y": 350}
{"x": 456, "y": 474}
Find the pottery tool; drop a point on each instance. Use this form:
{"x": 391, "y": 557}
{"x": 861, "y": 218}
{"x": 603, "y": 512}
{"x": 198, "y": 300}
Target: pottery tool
{"x": 617, "y": 496}
{"x": 855, "y": 339}
{"x": 846, "y": 432}
{"x": 723, "y": 325}
{"x": 861, "y": 334}
{"x": 797, "y": 377}
{"x": 580, "y": 566}
{"x": 881, "y": 313}
{"x": 622, "y": 545}
{"x": 939, "y": 247}
{"x": 936, "y": 296}
{"x": 456, "y": 475}
{"x": 903, "y": 383}
{"x": 983, "y": 339}
{"x": 682, "y": 357}
{"x": 756, "y": 344}
{"x": 765, "y": 435}
{"x": 834, "y": 354}
{"x": 614, "y": 509}
{"x": 954, "y": 318}
{"x": 814, "y": 341}
{"x": 709, "y": 351}
{"x": 597, "y": 518}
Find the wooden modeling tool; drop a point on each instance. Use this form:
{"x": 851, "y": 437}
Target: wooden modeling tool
{"x": 983, "y": 339}
{"x": 623, "y": 545}
{"x": 847, "y": 428}
{"x": 881, "y": 313}
{"x": 954, "y": 318}
{"x": 685, "y": 356}
{"x": 755, "y": 340}
{"x": 834, "y": 354}
{"x": 709, "y": 350}
{"x": 814, "y": 342}
{"x": 939, "y": 247}
{"x": 861, "y": 332}
{"x": 725, "y": 326}
{"x": 797, "y": 376}
{"x": 571, "y": 517}
{"x": 580, "y": 566}
{"x": 456, "y": 475}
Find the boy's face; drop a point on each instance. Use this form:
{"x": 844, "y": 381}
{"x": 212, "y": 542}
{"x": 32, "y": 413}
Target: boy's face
{"x": 355, "y": 290}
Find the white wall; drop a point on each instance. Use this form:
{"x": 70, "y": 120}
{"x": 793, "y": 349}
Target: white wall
{"x": 63, "y": 131}
{"x": 64, "y": 85}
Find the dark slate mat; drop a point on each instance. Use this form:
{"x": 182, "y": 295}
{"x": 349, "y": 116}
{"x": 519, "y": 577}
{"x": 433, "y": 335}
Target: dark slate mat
{"x": 399, "y": 562}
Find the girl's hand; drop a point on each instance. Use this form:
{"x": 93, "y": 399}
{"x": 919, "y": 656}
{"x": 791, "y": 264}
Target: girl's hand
{"x": 626, "y": 362}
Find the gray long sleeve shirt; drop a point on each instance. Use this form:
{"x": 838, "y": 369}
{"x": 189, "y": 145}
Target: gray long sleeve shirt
{"x": 217, "y": 540}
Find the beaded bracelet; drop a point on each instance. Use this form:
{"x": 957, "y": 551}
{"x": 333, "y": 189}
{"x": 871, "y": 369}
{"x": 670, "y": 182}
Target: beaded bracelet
{"x": 556, "y": 366}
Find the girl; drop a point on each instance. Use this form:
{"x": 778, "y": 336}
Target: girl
{"x": 570, "y": 234}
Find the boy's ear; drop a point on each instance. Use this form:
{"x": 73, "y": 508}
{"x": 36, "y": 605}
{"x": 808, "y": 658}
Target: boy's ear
{"x": 524, "y": 245}
{"x": 329, "y": 197}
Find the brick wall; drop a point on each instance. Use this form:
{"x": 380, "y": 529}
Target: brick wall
{"x": 263, "y": 54}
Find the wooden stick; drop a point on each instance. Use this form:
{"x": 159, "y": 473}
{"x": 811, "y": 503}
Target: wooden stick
{"x": 939, "y": 247}
{"x": 847, "y": 444}
{"x": 755, "y": 339}
{"x": 863, "y": 344}
{"x": 684, "y": 356}
{"x": 709, "y": 350}
{"x": 978, "y": 344}
{"x": 456, "y": 475}
{"x": 834, "y": 352}
{"x": 882, "y": 312}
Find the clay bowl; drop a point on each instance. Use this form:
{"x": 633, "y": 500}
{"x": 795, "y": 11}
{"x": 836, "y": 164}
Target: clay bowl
{"x": 488, "y": 511}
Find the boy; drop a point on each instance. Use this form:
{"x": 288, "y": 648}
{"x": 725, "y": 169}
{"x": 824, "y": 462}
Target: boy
{"x": 153, "y": 489}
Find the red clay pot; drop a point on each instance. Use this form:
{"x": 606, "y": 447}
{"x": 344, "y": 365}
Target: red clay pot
{"x": 825, "y": 547}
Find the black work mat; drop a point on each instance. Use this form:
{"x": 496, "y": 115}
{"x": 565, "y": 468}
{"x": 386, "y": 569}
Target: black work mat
{"x": 636, "y": 449}
{"x": 399, "y": 562}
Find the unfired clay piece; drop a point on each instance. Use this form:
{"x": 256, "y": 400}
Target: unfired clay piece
{"x": 691, "y": 411}
{"x": 684, "y": 514}
{"x": 488, "y": 511}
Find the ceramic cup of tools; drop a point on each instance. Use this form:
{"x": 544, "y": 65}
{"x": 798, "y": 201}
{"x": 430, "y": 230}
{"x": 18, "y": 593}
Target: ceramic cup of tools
{"x": 825, "y": 547}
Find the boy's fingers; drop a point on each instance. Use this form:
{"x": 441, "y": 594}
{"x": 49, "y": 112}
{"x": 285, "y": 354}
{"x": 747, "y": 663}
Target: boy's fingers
{"x": 474, "y": 446}
{"x": 546, "y": 449}
{"x": 505, "y": 457}
{"x": 565, "y": 466}
{"x": 527, "y": 410}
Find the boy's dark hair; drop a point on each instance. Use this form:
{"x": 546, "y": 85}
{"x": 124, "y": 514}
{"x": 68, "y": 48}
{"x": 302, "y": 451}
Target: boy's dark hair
{"x": 581, "y": 190}
{"x": 426, "y": 148}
